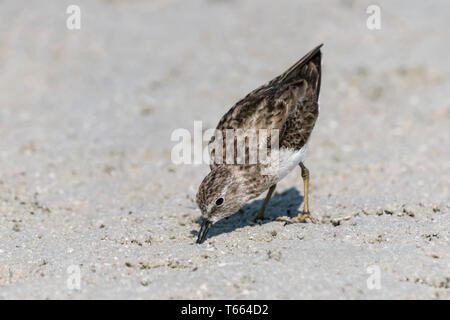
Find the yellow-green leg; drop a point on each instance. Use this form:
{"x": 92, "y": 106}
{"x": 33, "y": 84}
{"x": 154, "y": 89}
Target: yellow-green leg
{"x": 260, "y": 214}
{"x": 302, "y": 216}
{"x": 305, "y": 214}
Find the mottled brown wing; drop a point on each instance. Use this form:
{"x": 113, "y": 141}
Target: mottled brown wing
{"x": 303, "y": 69}
{"x": 269, "y": 106}
{"x": 302, "y": 118}
{"x": 255, "y": 112}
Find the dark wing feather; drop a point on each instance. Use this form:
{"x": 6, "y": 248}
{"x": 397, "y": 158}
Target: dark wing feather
{"x": 269, "y": 106}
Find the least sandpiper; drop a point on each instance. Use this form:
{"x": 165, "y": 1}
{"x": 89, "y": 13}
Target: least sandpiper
{"x": 289, "y": 104}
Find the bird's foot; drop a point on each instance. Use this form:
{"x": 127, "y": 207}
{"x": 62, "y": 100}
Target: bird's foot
{"x": 301, "y": 218}
{"x": 260, "y": 217}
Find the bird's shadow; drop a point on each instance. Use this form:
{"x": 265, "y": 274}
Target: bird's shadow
{"x": 282, "y": 204}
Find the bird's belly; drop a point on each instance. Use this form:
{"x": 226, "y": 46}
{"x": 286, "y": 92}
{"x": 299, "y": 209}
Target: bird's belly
{"x": 284, "y": 161}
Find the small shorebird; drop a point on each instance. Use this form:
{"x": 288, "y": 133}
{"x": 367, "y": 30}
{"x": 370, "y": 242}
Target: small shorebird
{"x": 289, "y": 104}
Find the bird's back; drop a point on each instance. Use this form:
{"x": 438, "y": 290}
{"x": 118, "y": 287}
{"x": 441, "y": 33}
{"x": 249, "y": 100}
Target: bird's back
{"x": 288, "y": 103}
{"x": 304, "y": 111}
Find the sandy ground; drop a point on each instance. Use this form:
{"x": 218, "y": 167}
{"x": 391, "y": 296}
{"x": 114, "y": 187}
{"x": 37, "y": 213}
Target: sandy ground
{"x": 86, "y": 177}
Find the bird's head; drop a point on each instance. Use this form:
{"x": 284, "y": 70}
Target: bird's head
{"x": 222, "y": 192}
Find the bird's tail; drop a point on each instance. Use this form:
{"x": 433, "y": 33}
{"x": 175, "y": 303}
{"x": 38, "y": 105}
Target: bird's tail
{"x": 308, "y": 68}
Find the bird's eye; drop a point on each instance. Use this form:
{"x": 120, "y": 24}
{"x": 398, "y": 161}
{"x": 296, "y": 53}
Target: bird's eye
{"x": 219, "y": 202}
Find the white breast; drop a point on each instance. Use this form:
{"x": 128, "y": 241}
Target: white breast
{"x": 284, "y": 161}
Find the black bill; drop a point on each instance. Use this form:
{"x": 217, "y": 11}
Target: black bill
{"x": 206, "y": 225}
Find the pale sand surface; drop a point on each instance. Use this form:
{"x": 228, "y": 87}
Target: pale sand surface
{"x": 86, "y": 176}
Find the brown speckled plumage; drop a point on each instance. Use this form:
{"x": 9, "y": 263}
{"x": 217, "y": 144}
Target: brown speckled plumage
{"x": 288, "y": 103}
